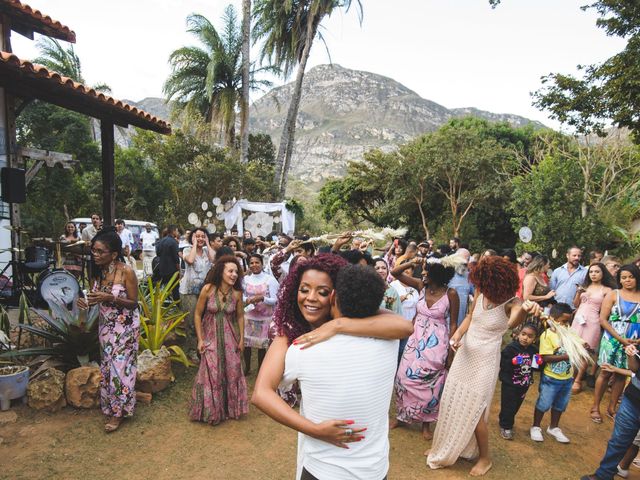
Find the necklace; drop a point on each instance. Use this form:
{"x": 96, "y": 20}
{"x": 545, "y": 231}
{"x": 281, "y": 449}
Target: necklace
{"x": 224, "y": 294}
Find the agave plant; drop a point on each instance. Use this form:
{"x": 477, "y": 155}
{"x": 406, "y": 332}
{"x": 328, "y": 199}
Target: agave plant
{"x": 160, "y": 316}
{"x": 72, "y": 335}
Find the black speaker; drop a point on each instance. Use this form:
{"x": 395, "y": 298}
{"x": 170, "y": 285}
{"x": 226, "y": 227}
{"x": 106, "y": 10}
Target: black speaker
{"x": 14, "y": 188}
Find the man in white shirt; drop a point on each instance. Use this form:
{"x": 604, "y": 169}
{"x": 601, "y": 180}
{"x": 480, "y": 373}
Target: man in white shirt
{"x": 148, "y": 238}
{"x": 89, "y": 232}
{"x": 347, "y": 377}
{"x": 125, "y": 234}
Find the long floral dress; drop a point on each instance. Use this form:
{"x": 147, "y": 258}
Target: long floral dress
{"x": 421, "y": 374}
{"x": 220, "y": 389}
{"x": 625, "y": 319}
{"x": 258, "y": 318}
{"x": 118, "y": 333}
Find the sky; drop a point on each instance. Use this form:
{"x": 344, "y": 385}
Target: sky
{"x": 458, "y": 53}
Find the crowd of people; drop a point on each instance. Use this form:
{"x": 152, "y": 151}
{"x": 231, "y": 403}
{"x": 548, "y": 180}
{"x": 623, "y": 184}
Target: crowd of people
{"x": 425, "y": 324}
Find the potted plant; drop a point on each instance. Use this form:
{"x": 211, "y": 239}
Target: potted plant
{"x": 13, "y": 378}
{"x": 160, "y": 317}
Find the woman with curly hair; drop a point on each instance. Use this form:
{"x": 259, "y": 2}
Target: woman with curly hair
{"x": 220, "y": 389}
{"x": 422, "y": 370}
{"x": 303, "y": 316}
{"x": 464, "y": 409}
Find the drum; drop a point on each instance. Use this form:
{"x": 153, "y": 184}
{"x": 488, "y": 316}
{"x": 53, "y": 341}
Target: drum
{"x": 36, "y": 259}
{"x": 58, "y": 285}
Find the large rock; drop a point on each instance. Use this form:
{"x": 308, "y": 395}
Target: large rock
{"x": 82, "y": 387}
{"x": 154, "y": 371}
{"x": 46, "y": 392}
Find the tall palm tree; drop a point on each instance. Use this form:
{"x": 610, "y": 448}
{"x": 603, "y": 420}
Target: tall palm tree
{"x": 288, "y": 29}
{"x": 246, "y": 65}
{"x": 208, "y": 80}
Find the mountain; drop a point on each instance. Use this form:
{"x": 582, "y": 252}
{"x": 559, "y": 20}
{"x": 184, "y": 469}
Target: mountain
{"x": 343, "y": 114}
{"x": 346, "y": 112}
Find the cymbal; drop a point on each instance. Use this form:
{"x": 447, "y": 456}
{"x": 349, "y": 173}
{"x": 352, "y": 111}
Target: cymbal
{"x": 16, "y": 228}
{"x": 17, "y": 250}
{"x": 81, "y": 247}
{"x": 45, "y": 242}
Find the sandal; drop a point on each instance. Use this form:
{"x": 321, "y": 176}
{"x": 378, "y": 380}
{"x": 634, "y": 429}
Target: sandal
{"x": 595, "y": 416}
{"x": 611, "y": 415}
{"x": 112, "y": 424}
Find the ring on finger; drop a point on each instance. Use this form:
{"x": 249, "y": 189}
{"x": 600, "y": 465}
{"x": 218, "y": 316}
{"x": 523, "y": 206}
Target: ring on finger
{"x": 348, "y": 432}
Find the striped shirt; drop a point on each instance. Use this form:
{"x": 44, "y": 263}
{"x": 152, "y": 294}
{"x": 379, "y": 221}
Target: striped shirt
{"x": 345, "y": 378}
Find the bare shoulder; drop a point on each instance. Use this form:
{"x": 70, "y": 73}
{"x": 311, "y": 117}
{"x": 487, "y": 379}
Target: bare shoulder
{"x": 515, "y": 302}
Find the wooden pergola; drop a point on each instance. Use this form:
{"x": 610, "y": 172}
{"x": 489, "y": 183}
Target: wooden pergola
{"x": 24, "y": 80}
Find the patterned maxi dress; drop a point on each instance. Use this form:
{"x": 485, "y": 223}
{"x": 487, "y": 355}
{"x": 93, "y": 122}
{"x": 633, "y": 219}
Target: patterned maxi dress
{"x": 469, "y": 389}
{"x": 258, "y": 318}
{"x": 219, "y": 389}
{"x": 118, "y": 333}
{"x": 625, "y": 319}
{"x": 421, "y": 374}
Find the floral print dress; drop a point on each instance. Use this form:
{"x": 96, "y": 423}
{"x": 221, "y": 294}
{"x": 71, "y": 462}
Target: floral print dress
{"x": 118, "y": 333}
{"x": 625, "y": 319}
{"x": 219, "y": 389}
{"x": 421, "y": 374}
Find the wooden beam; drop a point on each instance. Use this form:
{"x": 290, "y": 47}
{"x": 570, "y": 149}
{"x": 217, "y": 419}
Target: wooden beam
{"x": 33, "y": 171}
{"x": 49, "y": 157}
{"x": 108, "y": 173}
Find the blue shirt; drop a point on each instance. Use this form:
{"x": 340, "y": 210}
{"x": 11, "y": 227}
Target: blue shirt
{"x": 564, "y": 283}
{"x": 461, "y": 284}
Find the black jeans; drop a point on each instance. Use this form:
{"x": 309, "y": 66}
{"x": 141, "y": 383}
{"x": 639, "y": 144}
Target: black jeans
{"x": 307, "y": 476}
{"x": 511, "y": 399}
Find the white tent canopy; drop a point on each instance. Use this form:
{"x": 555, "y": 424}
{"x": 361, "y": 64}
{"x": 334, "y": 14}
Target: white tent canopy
{"x": 233, "y": 216}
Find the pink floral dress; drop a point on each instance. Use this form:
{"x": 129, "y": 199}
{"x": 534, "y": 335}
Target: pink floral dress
{"x": 219, "y": 389}
{"x": 421, "y": 373}
{"x": 118, "y": 332}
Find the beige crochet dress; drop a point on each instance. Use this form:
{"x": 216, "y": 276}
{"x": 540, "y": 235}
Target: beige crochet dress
{"x": 469, "y": 387}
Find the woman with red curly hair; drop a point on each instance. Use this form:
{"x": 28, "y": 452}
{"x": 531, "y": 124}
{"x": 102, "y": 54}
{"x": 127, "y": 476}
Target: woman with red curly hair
{"x": 303, "y": 317}
{"x": 464, "y": 409}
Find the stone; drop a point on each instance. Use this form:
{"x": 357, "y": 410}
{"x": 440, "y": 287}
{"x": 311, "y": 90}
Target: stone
{"x": 82, "y": 387}
{"x": 46, "y": 392}
{"x": 154, "y": 371}
{"x": 8, "y": 417}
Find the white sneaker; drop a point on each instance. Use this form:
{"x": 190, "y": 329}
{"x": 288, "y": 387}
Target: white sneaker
{"x": 536, "y": 434}
{"x": 557, "y": 434}
{"x": 622, "y": 473}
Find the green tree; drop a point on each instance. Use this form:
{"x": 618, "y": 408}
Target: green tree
{"x": 208, "y": 79}
{"x": 288, "y": 29}
{"x": 606, "y": 92}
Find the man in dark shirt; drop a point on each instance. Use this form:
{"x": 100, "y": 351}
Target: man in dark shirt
{"x": 168, "y": 261}
{"x": 626, "y": 425}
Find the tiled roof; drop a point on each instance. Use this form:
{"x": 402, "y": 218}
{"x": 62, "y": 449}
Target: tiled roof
{"x": 99, "y": 103}
{"x": 25, "y": 16}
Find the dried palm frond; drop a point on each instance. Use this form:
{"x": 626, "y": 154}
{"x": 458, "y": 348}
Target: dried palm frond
{"x": 370, "y": 234}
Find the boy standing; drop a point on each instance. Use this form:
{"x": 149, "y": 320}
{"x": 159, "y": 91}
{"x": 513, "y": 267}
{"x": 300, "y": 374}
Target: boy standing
{"x": 516, "y": 375}
{"x": 556, "y": 379}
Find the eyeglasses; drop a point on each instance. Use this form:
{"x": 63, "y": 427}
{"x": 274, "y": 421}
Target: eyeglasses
{"x": 97, "y": 252}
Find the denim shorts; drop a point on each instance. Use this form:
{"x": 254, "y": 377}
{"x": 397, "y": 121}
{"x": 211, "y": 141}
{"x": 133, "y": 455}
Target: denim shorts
{"x": 553, "y": 394}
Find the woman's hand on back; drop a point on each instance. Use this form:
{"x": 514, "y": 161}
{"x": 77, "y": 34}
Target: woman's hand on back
{"x": 320, "y": 334}
{"x": 338, "y": 432}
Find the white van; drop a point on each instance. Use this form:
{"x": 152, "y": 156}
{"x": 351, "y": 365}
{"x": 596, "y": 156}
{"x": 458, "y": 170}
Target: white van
{"x": 135, "y": 226}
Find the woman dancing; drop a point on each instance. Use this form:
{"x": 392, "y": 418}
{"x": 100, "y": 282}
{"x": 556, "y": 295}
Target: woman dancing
{"x": 220, "y": 389}
{"x": 464, "y": 409}
{"x": 303, "y": 314}
{"x": 422, "y": 371}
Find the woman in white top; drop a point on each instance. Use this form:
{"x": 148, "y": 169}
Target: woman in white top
{"x": 260, "y": 293}
{"x": 198, "y": 258}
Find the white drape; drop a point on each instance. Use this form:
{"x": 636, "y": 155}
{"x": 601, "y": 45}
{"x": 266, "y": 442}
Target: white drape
{"x": 233, "y": 216}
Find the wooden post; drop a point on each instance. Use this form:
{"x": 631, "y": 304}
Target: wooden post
{"x": 108, "y": 173}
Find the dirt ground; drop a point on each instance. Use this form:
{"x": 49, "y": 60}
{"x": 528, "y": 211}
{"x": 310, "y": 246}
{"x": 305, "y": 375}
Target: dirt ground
{"x": 161, "y": 443}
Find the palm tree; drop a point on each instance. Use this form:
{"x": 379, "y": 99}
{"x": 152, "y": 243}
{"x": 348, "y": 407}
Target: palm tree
{"x": 246, "y": 65}
{"x": 209, "y": 80}
{"x": 66, "y": 62}
{"x": 288, "y": 29}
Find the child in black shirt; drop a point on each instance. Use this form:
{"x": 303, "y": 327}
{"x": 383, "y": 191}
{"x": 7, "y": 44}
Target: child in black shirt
{"x": 516, "y": 363}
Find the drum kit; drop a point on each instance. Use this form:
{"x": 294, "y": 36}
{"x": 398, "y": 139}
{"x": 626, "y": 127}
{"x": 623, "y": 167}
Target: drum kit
{"x": 37, "y": 270}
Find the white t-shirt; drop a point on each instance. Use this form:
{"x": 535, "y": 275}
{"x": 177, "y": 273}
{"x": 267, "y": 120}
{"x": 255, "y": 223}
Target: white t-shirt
{"x": 345, "y": 378}
{"x": 410, "y": 303}
{"x": 127, "y": 238}
{"x": 149, "y": 240}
